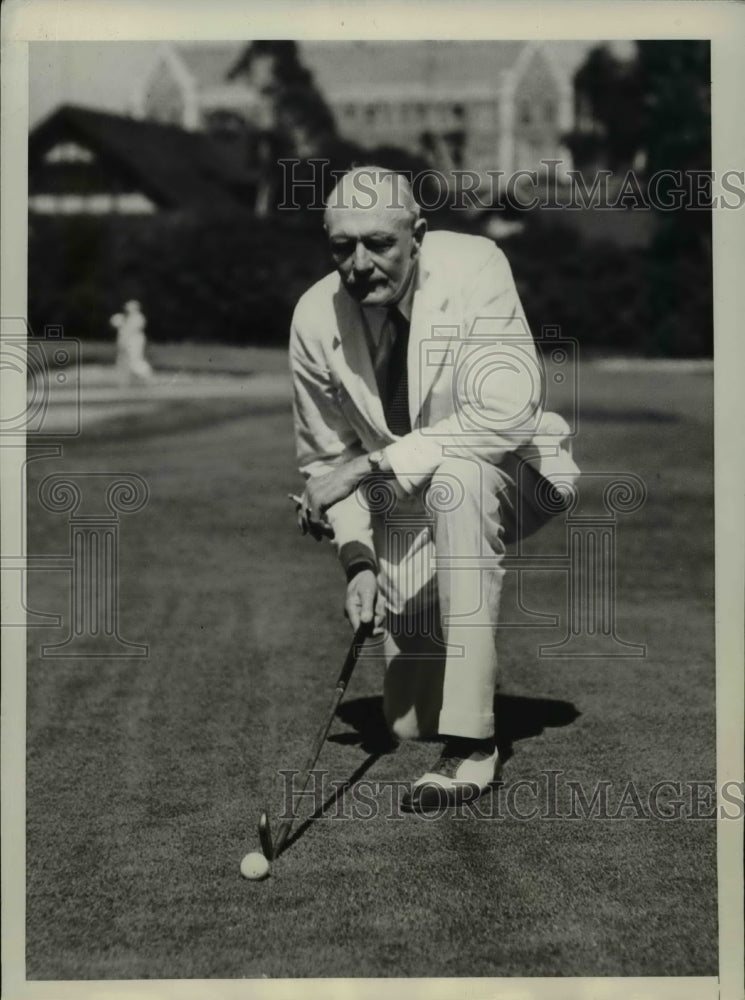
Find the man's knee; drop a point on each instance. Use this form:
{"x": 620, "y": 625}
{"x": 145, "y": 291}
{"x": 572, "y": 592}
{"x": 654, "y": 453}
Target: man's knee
{"x": 458, "y": 481}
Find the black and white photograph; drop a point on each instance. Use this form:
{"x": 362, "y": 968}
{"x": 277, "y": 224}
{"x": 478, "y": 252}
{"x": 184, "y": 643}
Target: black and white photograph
{"x": 368, "y": 388}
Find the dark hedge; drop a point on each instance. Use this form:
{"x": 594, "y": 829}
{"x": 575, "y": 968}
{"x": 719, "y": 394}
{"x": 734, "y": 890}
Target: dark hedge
{"x": 232, "y": 279}
{"x": 236, "y": 279}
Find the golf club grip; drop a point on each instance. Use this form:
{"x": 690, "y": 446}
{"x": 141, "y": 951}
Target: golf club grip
{"x": 363, "y": 632}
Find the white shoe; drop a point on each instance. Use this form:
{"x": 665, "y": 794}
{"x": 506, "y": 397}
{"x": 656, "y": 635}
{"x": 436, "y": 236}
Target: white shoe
{"x": 463, "y": 772}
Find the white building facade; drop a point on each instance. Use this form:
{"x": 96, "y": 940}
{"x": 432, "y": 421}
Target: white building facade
{"x": 480, "y": 106}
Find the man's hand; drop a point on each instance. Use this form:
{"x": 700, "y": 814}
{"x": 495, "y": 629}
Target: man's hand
{"x": 364, "y": 602}
{"x": 318, "y": 531}
{"x": 322, "y": 492}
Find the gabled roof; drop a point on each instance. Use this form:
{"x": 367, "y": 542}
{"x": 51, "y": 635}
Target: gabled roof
{"x": 173, "y": 167}
{"x": 439, "y": 68}
{"x": 209, "y": 63}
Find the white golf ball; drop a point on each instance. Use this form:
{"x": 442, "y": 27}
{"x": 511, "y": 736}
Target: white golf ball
{"x": 254, "y": 866}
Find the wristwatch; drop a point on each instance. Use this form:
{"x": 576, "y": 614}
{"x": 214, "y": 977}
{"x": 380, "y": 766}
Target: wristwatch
{"x": 375, "y": 459}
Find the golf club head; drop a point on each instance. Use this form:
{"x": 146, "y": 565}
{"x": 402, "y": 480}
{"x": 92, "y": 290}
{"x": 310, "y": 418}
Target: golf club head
{"x": 265, "y": 837}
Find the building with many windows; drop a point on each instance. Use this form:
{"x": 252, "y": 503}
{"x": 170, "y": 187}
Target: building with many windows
{"x": 471, "y": 105}
{"x": 199, "y": 117}
{"x": 482, "y": 106}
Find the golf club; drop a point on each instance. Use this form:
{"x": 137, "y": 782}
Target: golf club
{"x": 272, "y": 851}
{"x": 265, "y": 837}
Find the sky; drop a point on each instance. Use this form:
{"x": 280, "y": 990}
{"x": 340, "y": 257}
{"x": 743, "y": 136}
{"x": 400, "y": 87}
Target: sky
{"x": 94, "y": 74}
{"x": 103, "y": 75}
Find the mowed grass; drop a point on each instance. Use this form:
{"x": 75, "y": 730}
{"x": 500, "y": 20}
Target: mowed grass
{"x": 146, "y": 777}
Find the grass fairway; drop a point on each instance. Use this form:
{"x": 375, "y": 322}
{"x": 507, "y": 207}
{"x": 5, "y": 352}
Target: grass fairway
{"x": 146, "y": 777}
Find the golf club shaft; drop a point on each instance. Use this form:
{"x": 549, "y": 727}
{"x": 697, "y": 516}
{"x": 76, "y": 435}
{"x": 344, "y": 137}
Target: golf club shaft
{"x": 360, "y": 635}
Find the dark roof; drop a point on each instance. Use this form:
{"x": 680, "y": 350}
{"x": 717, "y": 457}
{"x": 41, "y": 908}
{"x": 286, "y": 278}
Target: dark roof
{"x": 173, "y": 167}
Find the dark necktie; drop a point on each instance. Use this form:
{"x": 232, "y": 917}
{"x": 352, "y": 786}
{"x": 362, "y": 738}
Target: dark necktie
{"x": 396, "y": 403}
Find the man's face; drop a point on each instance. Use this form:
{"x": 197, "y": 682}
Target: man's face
{"x": 374, "y": 250}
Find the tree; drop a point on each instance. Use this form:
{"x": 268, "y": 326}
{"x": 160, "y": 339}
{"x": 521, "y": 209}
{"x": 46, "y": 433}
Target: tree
{"x": 675, "y": 86}
{"x": 297, "y": 122}
{"x": 676, "y": 81}
{"x": 608, "y": 106}
{"x": 654, "y": 111}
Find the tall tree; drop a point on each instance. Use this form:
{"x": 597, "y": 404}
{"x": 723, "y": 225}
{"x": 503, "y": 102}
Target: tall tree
{"x": 654, "y": 111}
{"x": 676, "y": 78}
{"x": 608, "y": 111}
{"x": 297, "y": 122}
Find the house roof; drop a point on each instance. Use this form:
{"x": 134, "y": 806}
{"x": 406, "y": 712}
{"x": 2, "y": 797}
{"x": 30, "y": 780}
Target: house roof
{"x": 209, "y": 63}
{"x": 355, "y": 69}
{"x": 171, "y": 166}
{"x": 439, "y": 66}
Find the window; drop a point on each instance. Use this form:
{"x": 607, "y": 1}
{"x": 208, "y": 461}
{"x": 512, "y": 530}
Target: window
{"x": 46, "y": 203}
{"x": 134, "y": 203}
{"x": 69, "y": 152}
{"x": 99, "y": 204}
{"x": 96, "y": 204}
{"x": 70, "y": 204}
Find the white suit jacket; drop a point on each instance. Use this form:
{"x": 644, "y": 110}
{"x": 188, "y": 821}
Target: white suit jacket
{"x": 475, "y": 382}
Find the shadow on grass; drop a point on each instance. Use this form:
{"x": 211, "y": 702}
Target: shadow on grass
{"x": 337, "y": 794}
{"x": 517, "y": 718}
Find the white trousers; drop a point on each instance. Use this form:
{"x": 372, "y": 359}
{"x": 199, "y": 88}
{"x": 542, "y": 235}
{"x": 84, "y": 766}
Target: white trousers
{"x": 440, "y": 555}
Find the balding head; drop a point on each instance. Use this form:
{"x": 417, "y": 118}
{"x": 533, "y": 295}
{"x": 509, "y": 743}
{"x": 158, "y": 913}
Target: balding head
{"x": 375, "y": 233}
{"x": 372, "y": 188}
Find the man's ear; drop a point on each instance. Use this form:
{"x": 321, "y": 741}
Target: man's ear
{"x": 420, "y": 228}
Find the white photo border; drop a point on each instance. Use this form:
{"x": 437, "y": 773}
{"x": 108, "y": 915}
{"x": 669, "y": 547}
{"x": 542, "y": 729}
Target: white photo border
{"x": 118, "y": 20}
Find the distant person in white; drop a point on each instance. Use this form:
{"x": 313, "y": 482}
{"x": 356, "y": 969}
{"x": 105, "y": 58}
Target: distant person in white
{"x": 130, "y": 344}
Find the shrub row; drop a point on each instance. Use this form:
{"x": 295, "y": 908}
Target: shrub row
{"x": 236, "y": 279}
